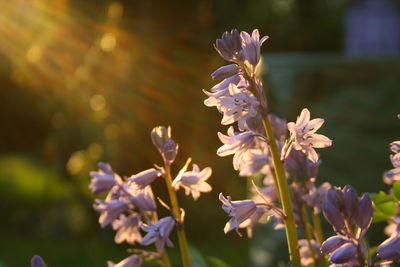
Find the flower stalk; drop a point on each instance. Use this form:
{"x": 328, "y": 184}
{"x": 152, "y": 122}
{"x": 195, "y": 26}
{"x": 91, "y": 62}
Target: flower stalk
{"x": 283, "y": 189}
{"x": 183, "y": 244}
{"x": 165, "y": 260}
{"x": 280, "y": 176}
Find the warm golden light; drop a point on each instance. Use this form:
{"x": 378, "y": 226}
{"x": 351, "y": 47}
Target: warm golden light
{"x": 34, "y": 53}
{"x": 115, "y": 10}
{"x": 108, "y": 42}
{"x": 97, "y": 102}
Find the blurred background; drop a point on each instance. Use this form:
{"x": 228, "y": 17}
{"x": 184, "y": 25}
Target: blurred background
{"x": 86, "y": 81}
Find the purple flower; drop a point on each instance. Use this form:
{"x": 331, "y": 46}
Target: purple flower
{"x": 131, "y": 261}
{"x": 222, "y": 89}
{"x": 142, "y": 198}
{"x": 253, "y": 220}
{"x": 333, "y": 243}
{"x": 235, "y": 143}
{"x": 365, "y": 212}
{"x": 251, "y": 46}
{"x": 37, "y": 261}
{"x": 128, "y": 229}
{"x": 145, "y": 178}
{"x": 110, "y": 210}
{"x": 193, "y": 181}
{"x": 253, "y": 161}
{"x": 345, "y": 254}
{"x": 390, "y": 248}
{"x": 161, "y": 138}
{"x": 395, "y": 147}
{"x": 239, "y": 210}
{"x": 159, "y": 233}
{"x": 229, "y": 45}
{"x": 303, "y": 136}
{"x": 393, "y": 175}
{"x": 102, "y": 180}
{"x": 238, "y": 105}
{"x": 333, "y": 216}
{"x": 316, "y": 195}
{"x": 305, "y": 253}
{"x": 225, "y": 72}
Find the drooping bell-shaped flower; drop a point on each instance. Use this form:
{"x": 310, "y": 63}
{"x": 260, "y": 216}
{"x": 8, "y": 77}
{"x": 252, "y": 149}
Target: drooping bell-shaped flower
{"x": 142, "y": 198}
{"x": 251, "y": 47}
{"x": 238, "y": 105}
{"x": 194, "y": 182}
{"x": 145, "y": 178}
{"x": 110, "y": 210}
{"x": 128, "y": 228}
{"x": 103, "y": 179}
{"x": 159, "y": 233}
{"x": 225, "y": 72}
{"x": 235, "y": 142}
{"x": 239, "y": 210}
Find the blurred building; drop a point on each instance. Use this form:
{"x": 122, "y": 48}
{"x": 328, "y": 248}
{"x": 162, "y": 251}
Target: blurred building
{"x": 372, "y": 27}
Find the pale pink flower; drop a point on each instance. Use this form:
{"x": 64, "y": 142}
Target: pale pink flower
{"x": 194, "y": 182}
{"x": 131, "y": 261}
{"x": 239, "y": 210}
{"x": 128, "y": 229}
{"x": 303, "y": 136}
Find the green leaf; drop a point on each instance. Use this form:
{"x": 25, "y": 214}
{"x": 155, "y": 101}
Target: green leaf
{"x": 196, "y": 257}
{"x": 215, "y": 262}
{"x": 384, "y": 206}
{"x": 396, "y": 189}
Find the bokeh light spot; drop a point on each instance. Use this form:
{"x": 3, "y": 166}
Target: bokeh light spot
{"x": 97, "y": 102}
{"x": 76, "y": 162}
{"x": 108, "y": 42}
{"x": 34, "y": 53}
{"x": 115, "y": 10}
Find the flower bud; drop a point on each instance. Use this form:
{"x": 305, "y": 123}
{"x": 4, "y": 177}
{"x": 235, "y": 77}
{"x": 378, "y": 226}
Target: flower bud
{"x": 37, "y": 261}
{"x": 336, "y": 198}
{"x": 365, "y": 212}
{"x": 390, "y": 248}
{"x": 229, "y": 45}
{"x": 170, "y": 151}
{"x": 350, "y": 202}
{"x": 333, "y": 243}
{"x": 344, "y": 254}
{"x": 160, "y": 135}
{"x": 144, "y": 178}
{"x": 225, "y": 72}
{"x": 333, "y": 216}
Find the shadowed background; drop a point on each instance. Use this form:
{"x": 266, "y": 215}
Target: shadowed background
{"x": 86, "y": 81}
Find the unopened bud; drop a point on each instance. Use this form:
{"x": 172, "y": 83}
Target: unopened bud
{"x": 170, "y": 151}
{"x": 160, "y": 135}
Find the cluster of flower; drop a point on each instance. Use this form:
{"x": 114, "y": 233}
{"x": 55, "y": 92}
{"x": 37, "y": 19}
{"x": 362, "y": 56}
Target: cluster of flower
{"x": 130, "y": 206}
{"x": 240, "y": 97}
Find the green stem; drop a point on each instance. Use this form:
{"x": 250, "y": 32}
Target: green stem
{"x": 291, "y": 233}
{"x": 165, "y": 260}
{"x": 308, "y": 233}
{"x": 183, "y": 245}
{"x": 281, "y": 182}
{"x": 318, "y": 228}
